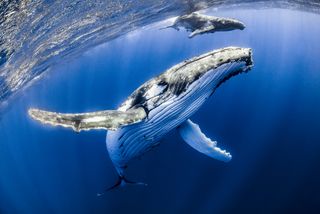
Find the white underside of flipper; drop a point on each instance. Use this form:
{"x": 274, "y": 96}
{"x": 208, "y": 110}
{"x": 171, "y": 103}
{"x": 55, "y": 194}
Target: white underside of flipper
{"x": 192, "y": 135}
{"x": 203, "y": 30}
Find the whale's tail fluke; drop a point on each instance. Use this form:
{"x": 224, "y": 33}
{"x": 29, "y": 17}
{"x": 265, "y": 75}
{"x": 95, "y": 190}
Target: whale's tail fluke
{"x": 121, "y": 182}
{"x": 108, "y": 120}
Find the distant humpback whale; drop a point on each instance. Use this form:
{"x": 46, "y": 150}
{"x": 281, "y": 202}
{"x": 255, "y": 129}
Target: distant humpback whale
{"x": 161, "y": 104}
{"x": 200, "y": 24}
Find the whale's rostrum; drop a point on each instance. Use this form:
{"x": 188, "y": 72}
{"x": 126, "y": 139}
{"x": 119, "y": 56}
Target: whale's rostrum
{"x": 158, "y": 106}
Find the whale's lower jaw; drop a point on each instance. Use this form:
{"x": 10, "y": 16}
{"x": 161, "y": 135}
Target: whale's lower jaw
{"x": 134, "y": 140}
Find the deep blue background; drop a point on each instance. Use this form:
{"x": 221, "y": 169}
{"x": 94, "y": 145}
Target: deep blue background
{"x": 269, "y": 119}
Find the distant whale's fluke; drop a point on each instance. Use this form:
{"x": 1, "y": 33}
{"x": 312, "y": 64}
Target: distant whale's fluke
{"x": 108, "y": 120}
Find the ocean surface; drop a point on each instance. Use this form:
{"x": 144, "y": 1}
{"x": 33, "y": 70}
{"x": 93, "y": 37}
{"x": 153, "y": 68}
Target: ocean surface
{"x": 268, "y": 118}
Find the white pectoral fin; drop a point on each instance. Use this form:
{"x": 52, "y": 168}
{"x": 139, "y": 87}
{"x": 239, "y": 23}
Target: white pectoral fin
{"x": 206, "y": 29}
{"x": 108, "y": 120}
{"x": 192, "y": 135}
{"x": 194, "y": 33}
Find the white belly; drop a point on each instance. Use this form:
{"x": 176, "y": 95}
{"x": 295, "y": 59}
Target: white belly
{"x": 134, "y": 140}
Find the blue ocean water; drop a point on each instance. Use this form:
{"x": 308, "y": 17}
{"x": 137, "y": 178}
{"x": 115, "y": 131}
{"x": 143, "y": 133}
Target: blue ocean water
{"x": 268, "y": 119}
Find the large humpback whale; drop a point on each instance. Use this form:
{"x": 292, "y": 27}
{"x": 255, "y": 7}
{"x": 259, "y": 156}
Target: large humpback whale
{"x": 198, "y": 24}
{"x": 161, "y": 104}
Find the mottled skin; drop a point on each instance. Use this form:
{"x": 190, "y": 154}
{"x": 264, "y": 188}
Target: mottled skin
{"x": 159, "y": 106}
{"x": 172, "y": 86}
{"x": 199, "y": 24}
{"x": 177, "y": 79}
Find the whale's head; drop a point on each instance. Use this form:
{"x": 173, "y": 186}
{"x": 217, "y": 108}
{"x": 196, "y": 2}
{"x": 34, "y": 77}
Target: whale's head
{"x": 213, "y": 68}
{"x": 208, "y": 70}
{"x": 229, "y": 62}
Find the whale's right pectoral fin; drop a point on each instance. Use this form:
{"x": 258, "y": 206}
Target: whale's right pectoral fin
{"x": 192, "y": 135}
{"x": 108, "y": 120}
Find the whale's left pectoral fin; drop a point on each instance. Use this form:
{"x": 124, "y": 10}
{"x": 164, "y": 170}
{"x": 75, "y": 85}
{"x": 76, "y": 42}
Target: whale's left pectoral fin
{"x": 108, "y": 120}
{"x": 203, "y": 30}
{"x": 192, "y": 135}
